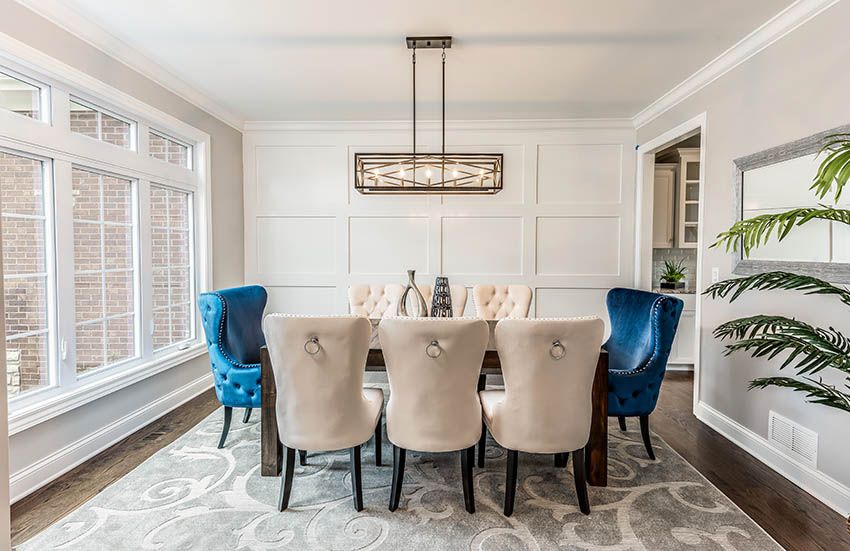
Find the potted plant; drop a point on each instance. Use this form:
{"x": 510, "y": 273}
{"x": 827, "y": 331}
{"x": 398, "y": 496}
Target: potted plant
{"x": 674, "y": 274}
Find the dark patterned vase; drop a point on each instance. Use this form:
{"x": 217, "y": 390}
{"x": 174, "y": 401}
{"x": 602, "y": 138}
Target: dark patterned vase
{"x": 441, "y": 304}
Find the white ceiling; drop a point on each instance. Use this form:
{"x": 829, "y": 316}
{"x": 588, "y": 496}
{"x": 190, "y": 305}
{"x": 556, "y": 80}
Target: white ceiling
{"x": 347, "y": 60}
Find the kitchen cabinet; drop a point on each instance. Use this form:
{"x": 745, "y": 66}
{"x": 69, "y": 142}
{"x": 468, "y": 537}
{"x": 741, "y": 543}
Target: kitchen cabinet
{"x": 688, "y": 193}
{"x": 664, "y": 206}
{"x": 682, "y": 351}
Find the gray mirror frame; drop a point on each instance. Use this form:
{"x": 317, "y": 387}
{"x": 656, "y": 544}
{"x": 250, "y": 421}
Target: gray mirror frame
{"x": 834, "y": 272}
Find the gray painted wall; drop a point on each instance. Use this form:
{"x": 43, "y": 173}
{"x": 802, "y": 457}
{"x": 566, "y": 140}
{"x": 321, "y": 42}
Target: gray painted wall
{"x": 794, "y": 88}
{"x": 32, "y": 445}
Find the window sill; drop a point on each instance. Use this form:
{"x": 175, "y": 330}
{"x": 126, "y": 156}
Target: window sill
{"x": 95, "y": 387}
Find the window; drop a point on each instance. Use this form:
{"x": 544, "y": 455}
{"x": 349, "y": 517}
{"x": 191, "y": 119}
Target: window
{"x": 168, "y": 149}
{"x": 97, "y": 123}
{"x": 99, "y": 241}
{"x": 171, "y": 262}
{"x": 21, "y": 95}
{"x": 25, "y": 271}
{"x": 104, "y": 269}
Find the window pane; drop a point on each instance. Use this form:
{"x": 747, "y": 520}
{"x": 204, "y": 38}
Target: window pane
{"x": 105, "y": 280}
{"x": 115, "y": 131}
{"x": 83, "y": 120}
{"x": 169, "y": 150}
{"x": 22, "y": 191}
{"x": 172, "y": 266}
{"x": 20, "y": 97}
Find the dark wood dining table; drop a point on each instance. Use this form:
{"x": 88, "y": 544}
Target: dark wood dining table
{"x": 596, "y": 455}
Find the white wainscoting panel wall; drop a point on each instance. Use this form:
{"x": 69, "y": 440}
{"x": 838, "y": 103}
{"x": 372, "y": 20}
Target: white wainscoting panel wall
{"x": 563, "y": 224}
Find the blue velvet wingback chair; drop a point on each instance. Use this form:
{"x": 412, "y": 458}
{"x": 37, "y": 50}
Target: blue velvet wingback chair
{"x": 233, "y": 321}
{"x": 643, "y": 325}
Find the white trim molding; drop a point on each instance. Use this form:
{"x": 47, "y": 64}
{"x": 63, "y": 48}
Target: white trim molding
{"x": 424, "y": 125}
{"x": 774, "y": 29}
{"x": 65, "y": 17}
{"x": 61, "y": 461}
{"x": 824, "y": 488}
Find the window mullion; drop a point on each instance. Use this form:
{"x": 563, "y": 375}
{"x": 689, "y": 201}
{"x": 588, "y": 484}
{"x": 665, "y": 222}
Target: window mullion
{"x": 146, "y": 272}
{"x": 64, "y": 239}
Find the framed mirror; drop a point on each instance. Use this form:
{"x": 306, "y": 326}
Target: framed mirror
{"x": 776, "y": 180}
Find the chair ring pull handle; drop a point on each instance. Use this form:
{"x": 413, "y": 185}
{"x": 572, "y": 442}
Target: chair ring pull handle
{"x": 557, "y": 350}
{"x": 431, "y": 347}
{"x": 312, "y": 346}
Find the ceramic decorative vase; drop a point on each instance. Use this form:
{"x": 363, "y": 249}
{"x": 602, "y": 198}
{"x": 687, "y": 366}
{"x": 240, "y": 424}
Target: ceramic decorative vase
{"x": 441, "y": 304}
{"x": 411, "y": 286}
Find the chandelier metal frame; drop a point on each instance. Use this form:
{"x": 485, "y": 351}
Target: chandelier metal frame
{"x": 436, "y": 173}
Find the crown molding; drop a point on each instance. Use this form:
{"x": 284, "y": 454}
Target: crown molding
{"x": 774, "y": 29}
{"x": 432, "y": 125}
{"x": 86, "y": 30}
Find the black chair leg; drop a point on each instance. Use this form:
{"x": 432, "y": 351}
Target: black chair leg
{"x": 561, "y": 460}
{"x": 467, "y": 459}
{"x": 644, "y": 432}
{"x": 302, "y": 457}
{"x": 247, "y": 415}
{"x": 510, "y": 482}
{"x": 482, "y": 443}
{"x": 356, "y": 484}
{"x": 398, "y": 476}
{"x": 286, "y": 478}
{"x": 622, "y": 422}
{"x": 580, "y": 475}
{"x": 228, "y": 413}
{"x": 378, "y": 431}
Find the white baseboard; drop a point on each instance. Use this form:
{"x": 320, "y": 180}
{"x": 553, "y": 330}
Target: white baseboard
{"x": 825, "y": 488}
{"x": 680, "y": 367}
{"x": 35, "y": 476}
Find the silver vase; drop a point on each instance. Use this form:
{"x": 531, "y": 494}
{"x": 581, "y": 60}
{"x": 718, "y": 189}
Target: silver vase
{"x": 411, "y": 286}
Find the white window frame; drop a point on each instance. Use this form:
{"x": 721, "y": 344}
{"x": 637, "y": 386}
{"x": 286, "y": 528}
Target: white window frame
{"x": 64, "y": 149}
{"x": 44, "y": 95}
{"x": 170, "y": 138}
{"x": 134, "y": 141}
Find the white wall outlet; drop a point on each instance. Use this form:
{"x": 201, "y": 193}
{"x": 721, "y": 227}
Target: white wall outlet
{"x": 715, "y": 274}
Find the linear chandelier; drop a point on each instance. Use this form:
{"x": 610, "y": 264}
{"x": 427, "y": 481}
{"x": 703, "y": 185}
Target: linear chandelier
{"x": 442, "y": 173}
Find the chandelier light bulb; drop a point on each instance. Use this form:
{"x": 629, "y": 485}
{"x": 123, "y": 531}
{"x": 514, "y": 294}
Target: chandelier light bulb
{"x": 455, "y": 172}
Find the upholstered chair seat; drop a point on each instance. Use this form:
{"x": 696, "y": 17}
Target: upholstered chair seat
{"x": 545, "y": 407}
{"x": 433, "y": 366}
{"x": 495, "y": 302}
{"x": 643, "y": 326}
{"x": 232, "y": 320}
{"x": 318, "y": 365}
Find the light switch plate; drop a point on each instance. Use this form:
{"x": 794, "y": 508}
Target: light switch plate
{"x": 715, "y": 275}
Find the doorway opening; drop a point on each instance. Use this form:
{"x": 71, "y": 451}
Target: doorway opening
{"x": 669, "y": 232}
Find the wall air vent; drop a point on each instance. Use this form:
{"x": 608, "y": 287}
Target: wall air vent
{"x": 793, "y": 439}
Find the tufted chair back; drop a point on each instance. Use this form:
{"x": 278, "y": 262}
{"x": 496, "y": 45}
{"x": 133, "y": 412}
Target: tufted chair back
{"x": 232, "y": 320}
{"x": 643, "y": 326}
{"x": 434, "y": 404}
{"x": 546, "y": 404}
{"x": 321, "y": 403}
{"x": 374, "y": 301}
{"x": 494, "y": 302}
{"x": 458, "y": 293}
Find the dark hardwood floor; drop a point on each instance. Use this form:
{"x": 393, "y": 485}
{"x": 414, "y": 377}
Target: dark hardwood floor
{"x": 794, "y": 518}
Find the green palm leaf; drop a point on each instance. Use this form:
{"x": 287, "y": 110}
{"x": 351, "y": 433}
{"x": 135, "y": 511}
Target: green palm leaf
{"x": 835, "y": 167}
{"x": 769, "y": 281}
{"x": 754, "y": 232}
{"x": 817, "y": 392}
{"x": 812, "y": 349}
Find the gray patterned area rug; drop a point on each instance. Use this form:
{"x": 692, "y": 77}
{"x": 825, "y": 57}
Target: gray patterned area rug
{"x": 193, "y": 496}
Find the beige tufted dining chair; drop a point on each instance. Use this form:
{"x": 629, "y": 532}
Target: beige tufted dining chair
{"x": 545, "y": 407}
{"x": 318, "y": 365}
{"x": 495, "y": 302}
{"x": 432, "y": 367}
{"x": 374, "y": 301}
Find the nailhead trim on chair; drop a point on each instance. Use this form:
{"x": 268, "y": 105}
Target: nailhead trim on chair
{"x": 655, "y": 307}
{"x": 221, "y": 334}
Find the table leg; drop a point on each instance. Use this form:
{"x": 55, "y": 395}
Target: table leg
{"x": 271, "y": 450}
{"x": 597, "y": 447}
